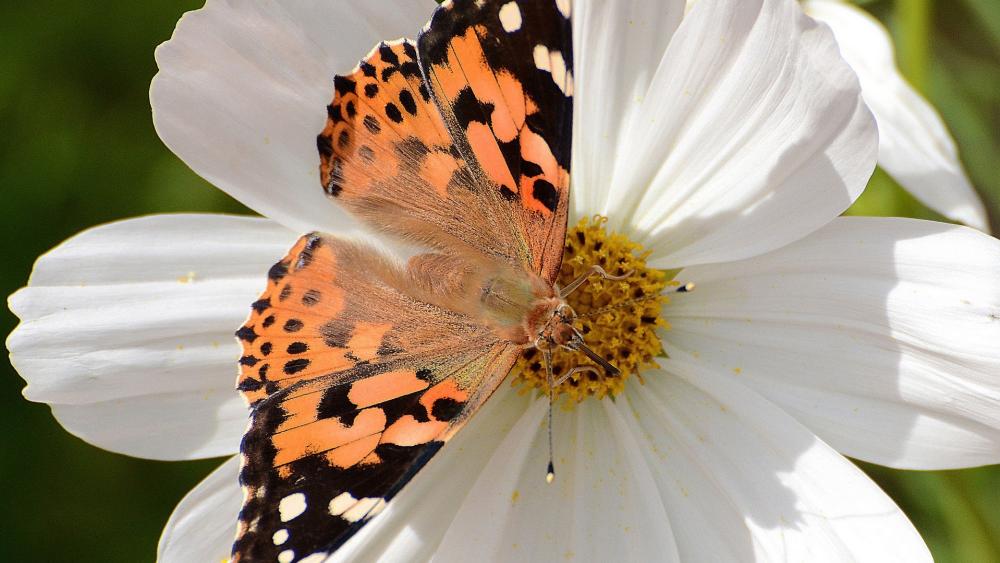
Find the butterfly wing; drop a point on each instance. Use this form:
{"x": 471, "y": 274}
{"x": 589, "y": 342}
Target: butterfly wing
{"x": 355, "y": 373}
{"x": 501, "y": 73}
{"x": 387, "y": 156}
{"x": 466, "y": 145}
{"x": 355, "y": 386}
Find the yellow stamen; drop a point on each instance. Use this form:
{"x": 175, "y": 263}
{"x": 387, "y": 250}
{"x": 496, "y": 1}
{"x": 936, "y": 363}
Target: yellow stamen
{"x": 618, "y": 319}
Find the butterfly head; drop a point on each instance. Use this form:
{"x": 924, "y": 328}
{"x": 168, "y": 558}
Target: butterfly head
{"x": 560, "y": 332}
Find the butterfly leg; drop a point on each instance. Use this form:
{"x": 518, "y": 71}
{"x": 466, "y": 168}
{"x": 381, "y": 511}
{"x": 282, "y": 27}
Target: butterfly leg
{"x": 595, "y": 269}
{"x": 576, "y": 370}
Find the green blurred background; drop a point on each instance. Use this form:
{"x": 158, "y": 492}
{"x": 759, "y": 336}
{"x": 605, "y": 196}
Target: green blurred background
{"x": 78, "y": 149}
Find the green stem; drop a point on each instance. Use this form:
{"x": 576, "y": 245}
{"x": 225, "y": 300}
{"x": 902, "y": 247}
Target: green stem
{"x": 913, "y": 36}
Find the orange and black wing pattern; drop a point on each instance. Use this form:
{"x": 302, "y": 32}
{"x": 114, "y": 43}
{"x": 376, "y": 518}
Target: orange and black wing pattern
{"x": 502, "y": 74}
{"x": 354, "y": 385}
{"x": 388, "y": 157}
{"x": 464, "y": 138}
{"x": 357, "y": 371}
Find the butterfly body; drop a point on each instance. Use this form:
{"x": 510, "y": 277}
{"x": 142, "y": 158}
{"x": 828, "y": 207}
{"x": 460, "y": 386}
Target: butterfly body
{"x": 516, "y": 308}
{"x": 520, "y": 307}
{"x": 359, "y": 367}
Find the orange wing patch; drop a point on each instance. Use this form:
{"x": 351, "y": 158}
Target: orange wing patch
{"x": 384, "y": 387}
{"x": 465, "y": 80}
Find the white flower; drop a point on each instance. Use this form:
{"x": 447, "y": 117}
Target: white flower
{"x": 914, "y": 144}
{"x": 727, "y": 141}
{"x": 915, "y": 147}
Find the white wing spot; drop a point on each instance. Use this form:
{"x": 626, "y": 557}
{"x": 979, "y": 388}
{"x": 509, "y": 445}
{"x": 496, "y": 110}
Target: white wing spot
{"x": 553, "y": 62}
{"x": 361, "y": 509}
{"x": 558, "y": 70}
{"x": 510, "y": 17}
{"x": 341, "y": 503}
{"x": 541, "y": 56}
{"x": 565, "y": 7}
{"x": 286, "y": 556}
{"x": 314, "y": 558}
{"x": 292, "y": 506}
{"x": 280, "y": 537}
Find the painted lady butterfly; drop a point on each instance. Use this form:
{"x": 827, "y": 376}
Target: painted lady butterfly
{"x": 358, "y": 369}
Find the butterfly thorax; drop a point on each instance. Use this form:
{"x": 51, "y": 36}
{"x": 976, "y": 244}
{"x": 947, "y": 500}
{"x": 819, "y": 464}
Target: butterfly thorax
{"x": 517, "y": 306}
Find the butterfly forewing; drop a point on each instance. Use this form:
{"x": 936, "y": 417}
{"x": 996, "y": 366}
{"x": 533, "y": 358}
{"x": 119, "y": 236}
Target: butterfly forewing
{"x": 463, "y": 140}
{"x": 388, "y": 157}
{"x": 502, "y": 75}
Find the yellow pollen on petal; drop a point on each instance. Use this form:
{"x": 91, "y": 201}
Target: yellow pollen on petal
{"x": 618, "y": 319}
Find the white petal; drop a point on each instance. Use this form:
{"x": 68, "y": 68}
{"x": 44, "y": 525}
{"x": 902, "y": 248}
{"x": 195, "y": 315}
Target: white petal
{"x": 203, "y": 526}
{"x": 602, "y": 505}
{"x": 881, "y": 335}
{"x": 743, "y": 481}
{"x": 617, "y": 46}
{"x": 914, "y": 144}
{"x": 243, "y": 89}
{"x": 753, "y": 135}
{"x": 127, "y": 330}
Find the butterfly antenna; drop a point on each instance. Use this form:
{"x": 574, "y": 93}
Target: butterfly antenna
{"x": 550, "y": 474}
{"x": 685, "y": 288}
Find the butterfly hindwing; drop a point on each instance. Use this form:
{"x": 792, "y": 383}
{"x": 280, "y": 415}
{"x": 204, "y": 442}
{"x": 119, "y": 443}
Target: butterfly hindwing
{"x": 380, "y": 381}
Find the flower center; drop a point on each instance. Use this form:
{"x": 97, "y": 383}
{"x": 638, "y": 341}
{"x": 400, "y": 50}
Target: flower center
{"x": 618, "y": 319}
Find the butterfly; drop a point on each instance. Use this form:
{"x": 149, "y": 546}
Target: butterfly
{"x": 358, "y": 368}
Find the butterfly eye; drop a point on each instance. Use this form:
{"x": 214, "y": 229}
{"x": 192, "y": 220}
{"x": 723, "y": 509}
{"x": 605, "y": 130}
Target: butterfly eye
{"x": 565, "y": 312}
